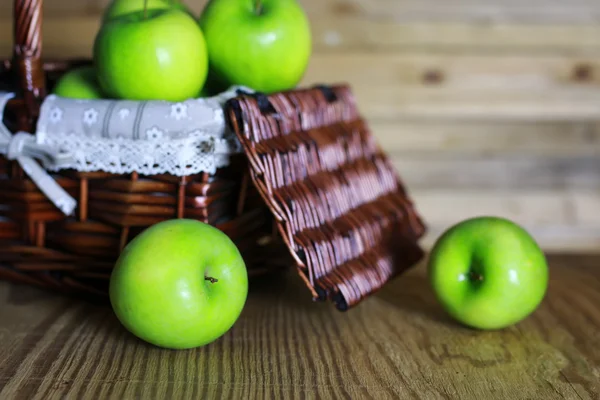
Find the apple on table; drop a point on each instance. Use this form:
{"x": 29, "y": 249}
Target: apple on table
{"x": 261, "y": 44}
{"x": 179, "y": 284}
{"x": 488, "y": 272}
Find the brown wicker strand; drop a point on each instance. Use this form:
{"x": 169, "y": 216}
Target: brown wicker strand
{"x": 27, "y": 53}
{"x": 83, "y": 199}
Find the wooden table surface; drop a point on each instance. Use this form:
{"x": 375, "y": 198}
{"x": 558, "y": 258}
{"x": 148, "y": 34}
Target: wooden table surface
{"x": 398, "y": 344}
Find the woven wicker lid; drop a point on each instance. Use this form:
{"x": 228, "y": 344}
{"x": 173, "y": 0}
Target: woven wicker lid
{"x": 338, "y": 202}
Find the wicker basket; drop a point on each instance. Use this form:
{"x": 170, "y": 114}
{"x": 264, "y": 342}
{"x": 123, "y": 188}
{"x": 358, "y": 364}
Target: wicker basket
{"x": 311, "y": 187}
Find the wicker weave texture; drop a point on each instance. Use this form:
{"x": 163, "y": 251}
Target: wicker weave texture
{"x": 38, "y": 245}
{"x": 341, "y": 208}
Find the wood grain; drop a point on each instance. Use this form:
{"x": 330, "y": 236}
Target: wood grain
{"x": 533, "y": 11}
{"x": 561, "y": 220}
{"x": 398, "y": 344}
{"x": 455, "y": 85}
{"x": 381, "y": 25}
{"x": 497, "y": 138}
{"x": 540, "y": 11}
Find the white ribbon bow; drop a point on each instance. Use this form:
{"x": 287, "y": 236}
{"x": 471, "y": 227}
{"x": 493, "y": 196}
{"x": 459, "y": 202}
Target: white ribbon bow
{"x": 23, "y": 148}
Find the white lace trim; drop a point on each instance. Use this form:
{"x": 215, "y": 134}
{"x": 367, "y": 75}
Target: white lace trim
{"x": 150, "y": 138}
{"x": 179, "y": 157}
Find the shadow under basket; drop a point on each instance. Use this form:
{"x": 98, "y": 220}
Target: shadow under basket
{"x": 310, "y": 186}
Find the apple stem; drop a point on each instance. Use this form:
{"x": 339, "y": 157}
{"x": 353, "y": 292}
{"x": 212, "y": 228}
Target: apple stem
{"x": 145, "y": 9}
{"x": 257, "y": 7}
{"x": 476, "y": 277}
{"x": 211, "y": 279}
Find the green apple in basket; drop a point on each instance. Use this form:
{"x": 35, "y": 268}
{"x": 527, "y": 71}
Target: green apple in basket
{"x": 118, "y": 8}
{"x": 78, "y": 83}
{"x": 153, "y": 54}
{"x": 488, "y": 272}
{"x": 179, "y": 284}
{"x": 261, "y": 44}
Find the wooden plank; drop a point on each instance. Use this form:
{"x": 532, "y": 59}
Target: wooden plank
{"x": 63, "y": 37}
{"x": 383, "y": 25}
{"x": 571, "y": 239}
{"x": 529, "y": 207}
{"x": 378, "y": 25}
{"x": 399, "y": 344}
{"x": 538, "y": 11}
{"x": 360, "y": 33}
{"x": 533, "y": 11}
{"x": 374, "y": 36}
{"x": 69, "y": 8}
{"x": 559, "y": 220}
{"x": 427, "y": 85}
{"x": 493, "y": 138}
{"x": 461, "y": 171}
{"x": 586, "y": 208}
{"x": 464, "y": 71}
{"x": 486, "y": 25}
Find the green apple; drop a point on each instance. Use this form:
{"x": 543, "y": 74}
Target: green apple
{"x": 151, "y": 55}
{"x": 488, "y": 272}
{"x": 78, "y": 83}
{"x": 117, "y": 8}
{"x": 264, "y": 44}
{"x": 179, "y": 284}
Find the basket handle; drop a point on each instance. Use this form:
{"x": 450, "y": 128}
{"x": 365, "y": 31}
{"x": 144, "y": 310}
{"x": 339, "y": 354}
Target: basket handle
{"x": 27, "y": 54}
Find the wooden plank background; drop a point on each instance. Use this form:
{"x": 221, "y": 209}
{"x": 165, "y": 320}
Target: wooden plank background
{"x": 486, "y": 106}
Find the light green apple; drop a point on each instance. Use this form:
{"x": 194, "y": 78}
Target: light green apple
{"x": 118, "y": 8}
{"x": 488, "y": 272}
{"x": 179, "y": 284}
{"x": 78, "y": 83}
{"x": 152, "y": 55}
{"x": 264, "y": 44}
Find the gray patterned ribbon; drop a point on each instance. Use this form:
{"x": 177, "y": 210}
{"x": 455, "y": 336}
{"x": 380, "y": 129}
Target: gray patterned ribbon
{"x": 23, "y": 148}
